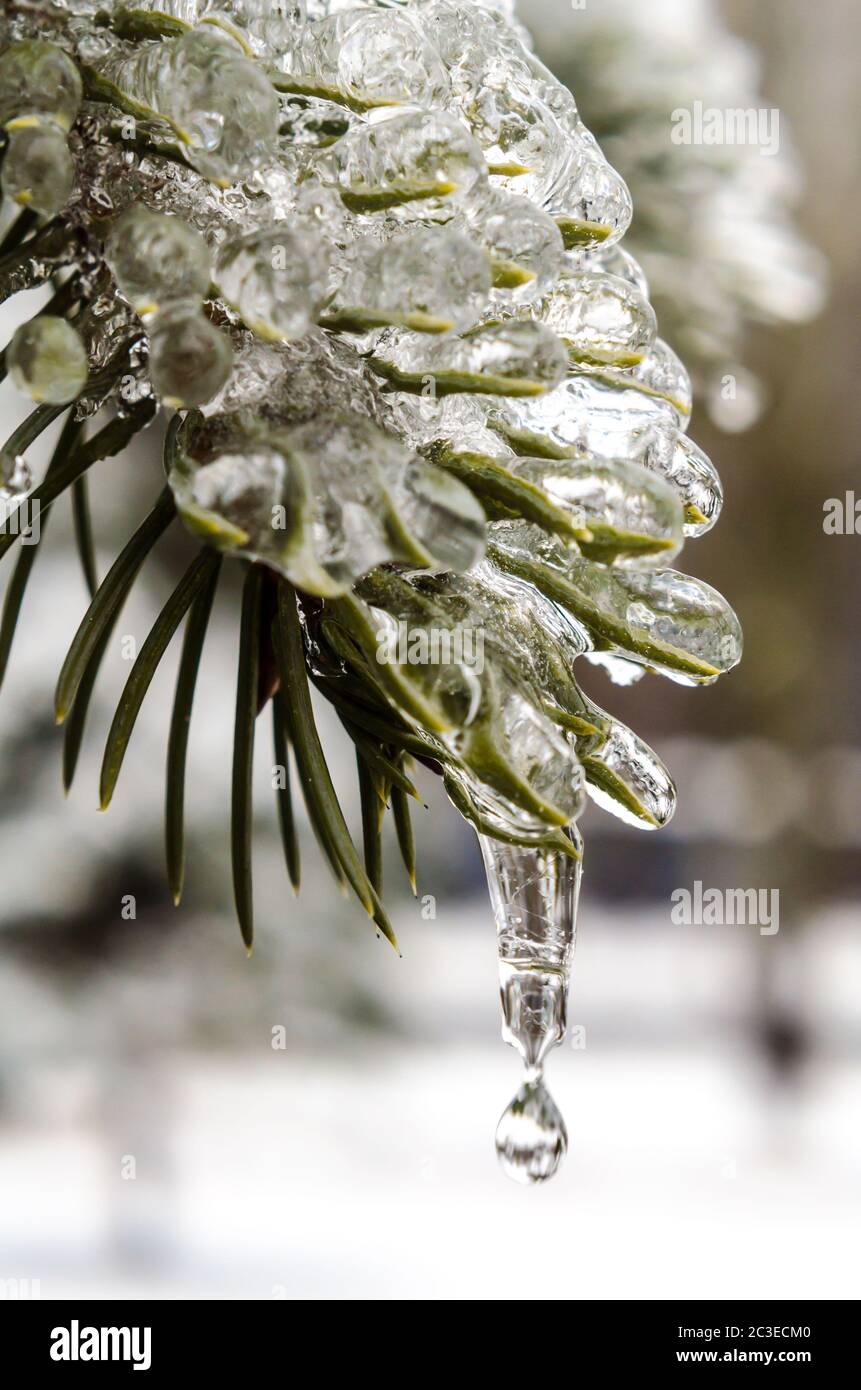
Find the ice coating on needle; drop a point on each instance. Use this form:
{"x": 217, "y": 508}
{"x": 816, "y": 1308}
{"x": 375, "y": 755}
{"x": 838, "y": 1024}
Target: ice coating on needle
{"x": 221, "y": 106}
{"x": 601, "y": 319}
{"x": 432, "y": 280}
{"x": 276, "y": 280}
{"x": 324, "y": 502}
{"x": 630, "y": 512}
{"x": 271, "y": 26}
{"x": 513, "y": 358}
{"x": 423, "y": 158}
{"x": 619, "y": 415}
{"x": 367, "y": 59}
{"x": 524, "y": 243}
{"x": 670, "y": 622}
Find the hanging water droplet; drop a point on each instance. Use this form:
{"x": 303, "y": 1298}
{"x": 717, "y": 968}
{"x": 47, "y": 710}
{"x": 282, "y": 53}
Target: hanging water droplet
{"x": 531, "y": 1138}
{"x": 534, "y": 893}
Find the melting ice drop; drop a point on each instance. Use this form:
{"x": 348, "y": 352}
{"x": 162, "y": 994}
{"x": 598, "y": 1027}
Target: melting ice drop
{"x": 534, "y": 893}
{"x": 531, "y": 1138}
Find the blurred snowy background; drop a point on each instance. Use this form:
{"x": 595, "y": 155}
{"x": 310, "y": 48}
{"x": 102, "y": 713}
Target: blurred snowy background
{"x": 714, "y": 1110}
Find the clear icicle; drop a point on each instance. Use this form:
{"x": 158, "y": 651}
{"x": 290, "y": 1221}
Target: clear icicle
{"x": 534, "y": 894}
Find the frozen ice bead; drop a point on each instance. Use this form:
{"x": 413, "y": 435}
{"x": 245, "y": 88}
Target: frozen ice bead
{"x": 319, "y": 216}
{"x": 220, "y": 104}
{"x": 366, "y": 59}
{"x": 625, "y": 777}
{"x": 38, "y": 83}
{"x": 157, "y": 259}
{"x": 694, "y": 477}
{"x": 540, "y": 754}
{"x": 422, "y": 666}
{"x": 276, "y": 279}
{"x": 525, "y": 148}
{"x": 520, "y": 755}
{"x": 432, "y": 280}
{"x": 47, "y": 360}
{"x": 517, "y": 357}
{"x": 423, "y": 678}
{"x": 659, "y": 377}
{"x": 593, "y": 207}
{"x": 489, "y": 811}
{"x": 601, "y": 319}
{"x": 422, "y": 158}
{"x": 662, "y": 374}
{"x": 448, "y": 521}
{"x": 232, "y": 499}
{"x": 189, "y": 359}
{"x": 38, "y": 170}
{"x": 676, "y": 610}
{"x": 524, "y": 243}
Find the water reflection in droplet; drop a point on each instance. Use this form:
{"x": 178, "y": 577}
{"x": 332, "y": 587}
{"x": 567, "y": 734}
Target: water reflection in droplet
{"x": 531, "y": 1138}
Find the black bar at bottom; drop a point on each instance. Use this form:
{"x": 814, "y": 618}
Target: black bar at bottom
{"x": 71, "y": 1338}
